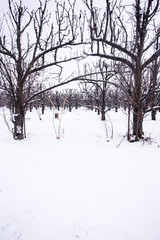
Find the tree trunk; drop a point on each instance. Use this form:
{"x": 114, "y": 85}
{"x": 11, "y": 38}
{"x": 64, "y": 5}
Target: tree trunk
{"x": 18, "y": 120}
{"x": 129, "y": 115}
{"x": 137, "y": 124}
{"x": 153, "y": 114}
{"x": 103, "y": 118}
{"x": 137, "y": 102}
{"x": 70, "y": 107}
{"x": 43, "y": 108}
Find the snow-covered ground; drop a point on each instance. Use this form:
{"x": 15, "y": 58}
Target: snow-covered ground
{"x": 81, "y": 186}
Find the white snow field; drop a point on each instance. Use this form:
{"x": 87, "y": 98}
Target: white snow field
{"x": 80, "y": 186}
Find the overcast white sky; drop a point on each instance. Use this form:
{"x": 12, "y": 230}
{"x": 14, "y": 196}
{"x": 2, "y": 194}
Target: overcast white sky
{"x": 32, "y": 4}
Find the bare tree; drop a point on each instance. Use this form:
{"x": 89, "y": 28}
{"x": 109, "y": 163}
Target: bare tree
{"x": 98, "y": 85}
{"x": 127, "y": 40}
{"x": 29, "y": 44}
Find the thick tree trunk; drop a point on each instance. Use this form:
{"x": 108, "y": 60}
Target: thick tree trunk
{"x": 137, "y": 124}
{"x": 103, "y": 117}
{"x": 18, "y": 120}
{"x": 137, "y": 101}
